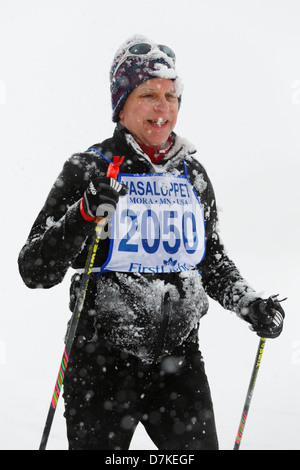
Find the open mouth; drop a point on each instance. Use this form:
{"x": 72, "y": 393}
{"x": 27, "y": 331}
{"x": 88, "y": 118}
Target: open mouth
{"x": 158, "y": 122}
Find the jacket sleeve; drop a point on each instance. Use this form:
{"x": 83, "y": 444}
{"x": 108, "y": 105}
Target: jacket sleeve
{"x": 221, "y": 278}
{"x": 58, "y": 234}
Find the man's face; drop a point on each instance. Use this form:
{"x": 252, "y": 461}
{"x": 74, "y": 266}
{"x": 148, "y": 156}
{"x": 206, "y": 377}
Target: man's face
{"x": 150, "y": 112}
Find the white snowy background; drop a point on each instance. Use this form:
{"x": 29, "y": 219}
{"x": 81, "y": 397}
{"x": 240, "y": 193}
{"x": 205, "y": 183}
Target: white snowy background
{"x": 239, "y": 61}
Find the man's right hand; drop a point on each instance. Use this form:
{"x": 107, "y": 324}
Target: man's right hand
{"x": 101, "y": 197}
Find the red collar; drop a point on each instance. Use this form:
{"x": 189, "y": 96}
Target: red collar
{"x": 156, "y": 155}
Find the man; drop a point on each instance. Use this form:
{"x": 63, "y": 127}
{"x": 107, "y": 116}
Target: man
{"x": 136, "y": 355}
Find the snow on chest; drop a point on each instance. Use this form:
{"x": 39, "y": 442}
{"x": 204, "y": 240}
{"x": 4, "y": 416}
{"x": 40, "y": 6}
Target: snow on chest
{"x": 157, "y": 227}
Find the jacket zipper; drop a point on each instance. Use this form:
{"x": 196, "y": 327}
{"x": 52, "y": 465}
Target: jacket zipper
{"x": 166, "y": 310}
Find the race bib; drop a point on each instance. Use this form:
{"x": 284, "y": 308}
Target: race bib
{"x": 158, "y": 227}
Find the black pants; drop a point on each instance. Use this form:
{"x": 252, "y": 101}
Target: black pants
{"x": 108, "y": 392}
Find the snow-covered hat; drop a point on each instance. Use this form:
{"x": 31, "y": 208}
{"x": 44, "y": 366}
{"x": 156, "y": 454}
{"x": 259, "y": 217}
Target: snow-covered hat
{"x": 130, "y": 70}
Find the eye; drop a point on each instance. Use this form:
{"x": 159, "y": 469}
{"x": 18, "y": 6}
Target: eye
{"x": 147, "y": 95}
{"x": 171, "y": 96}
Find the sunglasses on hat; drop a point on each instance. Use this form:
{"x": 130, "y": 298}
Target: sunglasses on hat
{"x": 144, "y": 49}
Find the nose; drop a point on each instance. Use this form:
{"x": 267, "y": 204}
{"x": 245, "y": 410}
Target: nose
{"x": 161, "y": 104}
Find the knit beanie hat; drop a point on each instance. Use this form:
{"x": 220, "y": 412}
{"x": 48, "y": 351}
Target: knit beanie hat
{"x": 126, "y": 75}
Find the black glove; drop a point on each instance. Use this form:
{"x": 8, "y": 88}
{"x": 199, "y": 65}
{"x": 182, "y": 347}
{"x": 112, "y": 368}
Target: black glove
{"x": 101, "y": 197}
{"x": 266, "y": 317}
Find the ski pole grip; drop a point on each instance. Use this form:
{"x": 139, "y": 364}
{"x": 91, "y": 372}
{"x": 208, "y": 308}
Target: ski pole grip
{"x": 112, "y": 172}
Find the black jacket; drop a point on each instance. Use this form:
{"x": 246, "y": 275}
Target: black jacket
{"x": 145, "y": 314}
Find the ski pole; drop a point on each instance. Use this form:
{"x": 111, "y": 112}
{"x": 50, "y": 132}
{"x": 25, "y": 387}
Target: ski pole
{"x": 255, "y": 370}
{"x": 101, "y": 222}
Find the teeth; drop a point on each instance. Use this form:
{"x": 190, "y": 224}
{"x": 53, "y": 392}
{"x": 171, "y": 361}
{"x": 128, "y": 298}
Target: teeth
{"x": 159, "y": 122}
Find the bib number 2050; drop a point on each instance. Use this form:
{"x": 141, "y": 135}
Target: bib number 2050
{"x": 168, "y": 230}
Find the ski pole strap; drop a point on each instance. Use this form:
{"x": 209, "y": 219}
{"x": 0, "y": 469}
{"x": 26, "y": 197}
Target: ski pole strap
{"x": 114, "y": 167}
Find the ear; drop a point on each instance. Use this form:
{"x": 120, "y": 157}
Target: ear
{"x": 121, "y": 115}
